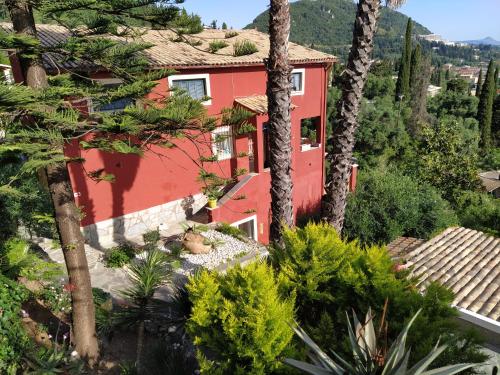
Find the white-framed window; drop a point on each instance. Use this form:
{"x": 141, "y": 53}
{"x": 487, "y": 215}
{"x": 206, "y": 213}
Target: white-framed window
{"x": 298, "y": 81}
{"x": 249, "y": 226}
{"x": 196, "y": 85}
{"x": 223, "y": 142}
{"x": 116, "y": 105}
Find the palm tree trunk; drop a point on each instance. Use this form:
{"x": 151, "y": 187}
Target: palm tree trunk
{"x": 280, "y": 144}
{"x": 66, "y": 213}
{"x": 342, "y": 141}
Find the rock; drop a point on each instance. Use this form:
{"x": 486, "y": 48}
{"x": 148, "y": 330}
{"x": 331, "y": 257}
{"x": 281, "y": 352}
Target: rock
{"x": 195, "y": 243}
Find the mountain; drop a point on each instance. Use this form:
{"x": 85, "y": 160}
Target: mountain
{"x": 485, "y": 41}
{"x": 327, "y": 25}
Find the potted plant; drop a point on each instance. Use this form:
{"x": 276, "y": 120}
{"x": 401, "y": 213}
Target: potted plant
{"x": 213, "y": 194}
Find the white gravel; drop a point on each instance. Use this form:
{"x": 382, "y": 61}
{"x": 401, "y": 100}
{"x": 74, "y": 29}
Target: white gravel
{"x": 229, "y": 249}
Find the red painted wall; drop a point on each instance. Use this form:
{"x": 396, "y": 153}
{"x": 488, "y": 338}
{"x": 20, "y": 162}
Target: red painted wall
{"x": 162, "y": 175}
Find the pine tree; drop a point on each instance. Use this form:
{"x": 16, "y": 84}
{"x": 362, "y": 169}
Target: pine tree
{"x": 479, "y": 83}
{"x": 485, "y": 107}
{"x": 416, "y": 61}
{"x": 495, "y": 79}
{"x": 41, "y": 120}
{"x": 224, "y": 26}
{"x": 420, "y": 83}
{"x": 495, "y": 122}
{"x": 403, "y": 82}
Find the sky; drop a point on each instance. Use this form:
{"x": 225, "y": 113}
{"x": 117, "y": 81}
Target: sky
{"x": 452, "y": 19}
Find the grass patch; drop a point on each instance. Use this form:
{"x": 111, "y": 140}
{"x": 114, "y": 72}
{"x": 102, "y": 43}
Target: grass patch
{"x": 230, "y": 34}
{"x": 244, "y": 47}
{"x": 216, "y": 45}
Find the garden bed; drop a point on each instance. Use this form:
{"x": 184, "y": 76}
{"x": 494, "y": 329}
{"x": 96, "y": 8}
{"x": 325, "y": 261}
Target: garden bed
{"x": 226, "y": 249}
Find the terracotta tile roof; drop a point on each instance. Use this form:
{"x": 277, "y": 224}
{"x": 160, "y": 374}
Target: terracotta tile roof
{"x": 256, "y": 103}
{"x": 168, "y": 53}
{"x": 490, "y": 180}
{"x": 467, "y": 262}
{"x": 402, "y": 246}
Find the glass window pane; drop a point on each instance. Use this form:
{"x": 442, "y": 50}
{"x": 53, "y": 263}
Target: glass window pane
{"x": 115, "y": 106}
{"x": 196, "y": 88}
{"x": 296, "y": 81}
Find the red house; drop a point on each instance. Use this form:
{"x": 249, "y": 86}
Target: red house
{"x": 160, "y": 188}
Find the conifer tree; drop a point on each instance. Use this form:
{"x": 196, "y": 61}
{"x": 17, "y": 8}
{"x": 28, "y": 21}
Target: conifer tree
{"x": 416, "y": 61}
{"x": 403, "y": 82}
{"x": 224, "y": 26}
{"x": 38, "y": 119}
{"x": 485, "y": 107}
{"x": 496, "y": 80}
{"x": 479, "y": 83}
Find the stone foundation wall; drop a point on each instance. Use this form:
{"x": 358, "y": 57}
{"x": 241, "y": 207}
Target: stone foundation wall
{"x": 131, "y": 226}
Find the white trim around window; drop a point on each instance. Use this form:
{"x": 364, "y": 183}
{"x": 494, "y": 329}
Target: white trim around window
{"x": 224, "y": 148}
{"x": 302, "y": 71}
{"x": 243, "y": 221}
{"x": 206, "y": 77}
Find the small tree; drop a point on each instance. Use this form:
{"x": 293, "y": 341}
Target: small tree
{"x": 224, "y": 26}
{"x": 479, "y": 83}
{"x": 485, "y": 107}
{"x": 241, "y": 317}
{"x": 403, "y": 82}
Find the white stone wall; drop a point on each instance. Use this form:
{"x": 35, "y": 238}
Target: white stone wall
{"x": 131, "y": 226}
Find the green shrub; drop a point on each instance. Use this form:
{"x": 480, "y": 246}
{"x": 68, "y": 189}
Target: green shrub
{"x": 17, "y": 259}
{"x": 119, "y": 256}
{"x": 387, "y": 205}
{"x": 55, "y": 298}
{"x": 230, "y": 34}
{"x": 14, "y": 341}
{"x": 229, "y": 230}
{"x": 244, "y": 47}
{"x": 329, "y": 276}
{"x": 242, "y": 318}
{"x": 479, "y": 211}
{"x": 151, "y": 239}
{"x": 216, "y": 45}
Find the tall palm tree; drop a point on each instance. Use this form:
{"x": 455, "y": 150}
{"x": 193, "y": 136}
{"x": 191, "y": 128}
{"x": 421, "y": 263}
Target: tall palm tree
{"x": 353, "y": 82}
{"x": 279, "y": 94}
{"x": 67, "y": 215}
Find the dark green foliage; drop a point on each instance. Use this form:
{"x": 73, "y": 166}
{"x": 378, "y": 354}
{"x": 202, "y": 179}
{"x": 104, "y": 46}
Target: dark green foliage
{"x": 55, "y": 297}
{"x": 403, "y": 82}
{"x": 327, "y": 25}
{"x": 17, "y": 259}
{"x": 458, "y": 85}
{"x": 54, "y": 360}
{"x": 330, "y": 276}
{"x": 151, "y": 239}
{"x": 376, "y": 144}
{"x": 224, "y": 26}
{"x": 241, "y": 318}
{"x": 379, "y": 86}
{"x": 216, "y": 45}
{"x": 446, "y": 161}
{"x": 479, "y": 83}
{"x": 453, "y": 103}
{"x": 479, "y": 211}
{"x": 387, "y": 205}
{"x": 485, "y": 107}
{"x": 416, "y": 61}
{"x": 14, "y": 342}
{"x": 495, "y": 122}
{"x": 244, "y": 47}
{"x": 119, "y": 256}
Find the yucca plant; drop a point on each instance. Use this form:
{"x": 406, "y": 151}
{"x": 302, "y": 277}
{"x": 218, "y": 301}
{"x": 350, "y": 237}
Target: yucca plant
{"x": 147, "y": 274}
{"x": 368, "y": 357}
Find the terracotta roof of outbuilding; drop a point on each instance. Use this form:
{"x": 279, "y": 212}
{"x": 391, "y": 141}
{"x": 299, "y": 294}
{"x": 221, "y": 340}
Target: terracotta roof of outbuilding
{"x": 256, "y": 103}
{"x": 168, "y": 53}
{"x": 490, "y": 180}
{"x": 467, "y": 262}
{"x": 403, "y": 245}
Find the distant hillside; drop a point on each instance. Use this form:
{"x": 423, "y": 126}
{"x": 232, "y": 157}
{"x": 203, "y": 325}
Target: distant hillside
{"x": 485, "y": 41}
{"x": 327, "y": 25}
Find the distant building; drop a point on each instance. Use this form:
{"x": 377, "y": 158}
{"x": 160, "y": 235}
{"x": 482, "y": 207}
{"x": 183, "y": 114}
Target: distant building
{"x": 433, "y": 90}
{"x": 491, "y": 182}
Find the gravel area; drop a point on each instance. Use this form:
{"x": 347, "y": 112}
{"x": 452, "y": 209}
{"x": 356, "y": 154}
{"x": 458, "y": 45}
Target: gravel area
{"x": 228, "y": 249}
